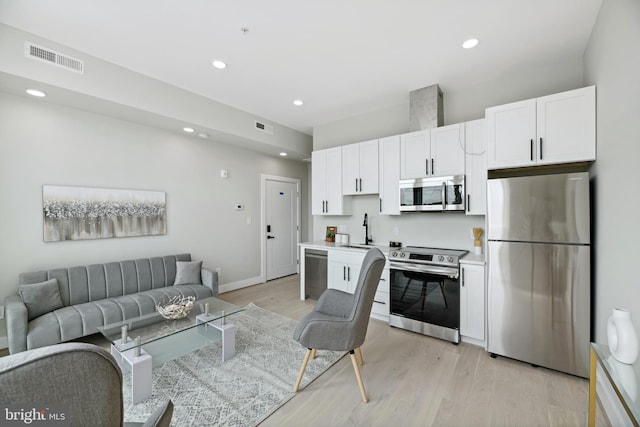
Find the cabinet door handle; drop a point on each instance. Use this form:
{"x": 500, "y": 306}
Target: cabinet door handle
{"x": 348, "y": 274}
{"x": 380, "y": 302}
{"x": 540, "y": 148}
{"x": 360, "y": 184}
{"x": 327, "y": 204}
{"x": 344, "y": 273}
{"x": 468, "y": 202}
{"x": 532, "y": 150}
{"x": 426, "y": 166}
{"x": 462, "y": 278}
{"x": 433, "y": 167}
{"x": 380, "y": 204}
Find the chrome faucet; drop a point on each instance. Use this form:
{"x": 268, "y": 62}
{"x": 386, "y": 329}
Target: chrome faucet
{"x": 366, "y": 229}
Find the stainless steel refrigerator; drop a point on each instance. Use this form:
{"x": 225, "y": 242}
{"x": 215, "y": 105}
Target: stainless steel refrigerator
{"x": 539, "y": 280}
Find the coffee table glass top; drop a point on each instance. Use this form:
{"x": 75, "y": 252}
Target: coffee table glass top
{"x": 152, "y": 327}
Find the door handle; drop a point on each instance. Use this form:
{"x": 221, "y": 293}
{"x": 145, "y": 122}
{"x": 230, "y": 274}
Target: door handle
{"x": 270, "y": 237}
{"x": 532, "y": 150}
{"x": 540, "y": 148}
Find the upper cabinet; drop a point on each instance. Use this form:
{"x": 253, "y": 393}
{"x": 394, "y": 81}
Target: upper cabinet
{"x": 559, "y": 128}
{"x": 476, "y": 167}
{"x": 326, "y": 177}
{"x": 389, "y": 169}
{"x": 360, "y": 168}
{"x": 435, "y": 152}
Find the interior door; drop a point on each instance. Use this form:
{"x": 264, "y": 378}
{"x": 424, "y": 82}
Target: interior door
{"x": 281, "y": 212}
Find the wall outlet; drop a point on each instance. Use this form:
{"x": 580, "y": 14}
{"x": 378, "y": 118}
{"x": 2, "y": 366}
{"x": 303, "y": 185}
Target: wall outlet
{"x": 1, "y": 311}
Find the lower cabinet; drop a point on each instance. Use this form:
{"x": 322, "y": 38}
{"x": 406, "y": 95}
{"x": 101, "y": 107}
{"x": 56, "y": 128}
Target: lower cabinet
{"x": 472, "y": 303}
{"x": 344, "y": 269}
{"x": 380, "y": 308}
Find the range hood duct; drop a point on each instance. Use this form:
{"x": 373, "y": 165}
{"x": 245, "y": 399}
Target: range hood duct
{"x": 426, "y": 110}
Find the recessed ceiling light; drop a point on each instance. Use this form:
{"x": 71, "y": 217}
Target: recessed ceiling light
{"x": 283, "y": 154}
{"x": 298, "y": 102}
{"x": 36, "y": 93}
{"x": 188, "y": 130}
{"x": 470, "y": 43}
{"x": 219, "y": 64}
{"x": 203, "y": 135}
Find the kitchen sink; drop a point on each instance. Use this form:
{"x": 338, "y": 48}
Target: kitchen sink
{"x": 361, "y": 246}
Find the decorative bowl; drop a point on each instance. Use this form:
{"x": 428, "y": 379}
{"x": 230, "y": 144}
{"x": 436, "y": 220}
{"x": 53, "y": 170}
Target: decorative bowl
{"x": 176, "y": 308}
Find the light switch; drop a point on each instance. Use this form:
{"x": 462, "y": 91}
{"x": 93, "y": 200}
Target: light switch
{"x": 224, "y": 173}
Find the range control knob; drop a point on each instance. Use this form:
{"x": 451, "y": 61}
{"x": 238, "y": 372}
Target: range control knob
{"x": 394, "y": 254}
{"x": 402, "y": 255}
{"x": 450, "y": 259}
{"x": 440, "y": 258}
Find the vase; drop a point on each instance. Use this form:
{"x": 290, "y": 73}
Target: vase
{"x": 621, "y": 335}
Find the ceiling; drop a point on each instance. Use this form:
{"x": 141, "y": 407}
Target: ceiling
{"x": 342, "y": 58}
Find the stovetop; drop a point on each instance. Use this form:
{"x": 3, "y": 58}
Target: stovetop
{"x": 438, "y": 256}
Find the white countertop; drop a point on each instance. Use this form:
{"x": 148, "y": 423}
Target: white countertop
{"x": 471, "y": 258}
{"x": 322, "y": 244}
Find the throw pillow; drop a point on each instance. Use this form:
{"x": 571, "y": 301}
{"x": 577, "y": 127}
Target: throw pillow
{"x": 40, "y": 298}
{"x": 188, "y": 273}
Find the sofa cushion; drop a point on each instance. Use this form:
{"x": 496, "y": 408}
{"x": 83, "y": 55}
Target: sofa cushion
{"x": 40, "y": 298}
{"x": 188, "y": 273}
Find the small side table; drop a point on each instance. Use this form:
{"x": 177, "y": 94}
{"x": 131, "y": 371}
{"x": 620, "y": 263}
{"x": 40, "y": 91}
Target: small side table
{"x": 623, "y": 378}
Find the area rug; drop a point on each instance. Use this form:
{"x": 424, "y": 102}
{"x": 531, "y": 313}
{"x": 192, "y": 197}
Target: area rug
{"x": 242, "y": 391}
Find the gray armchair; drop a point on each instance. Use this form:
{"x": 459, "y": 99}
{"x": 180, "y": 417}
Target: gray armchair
{"x": 339, "y": 320}
{"x": 80, "y": 380}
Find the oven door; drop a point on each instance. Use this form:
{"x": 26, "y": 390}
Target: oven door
{"x": 425, "y": 299}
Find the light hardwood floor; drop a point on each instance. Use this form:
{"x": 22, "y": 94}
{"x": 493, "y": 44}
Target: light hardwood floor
{"x": 414, "y": 380}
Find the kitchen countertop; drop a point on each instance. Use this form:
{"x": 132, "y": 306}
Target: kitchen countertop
{"x": 471, "y": 258}
{"x": 322, "y": 244}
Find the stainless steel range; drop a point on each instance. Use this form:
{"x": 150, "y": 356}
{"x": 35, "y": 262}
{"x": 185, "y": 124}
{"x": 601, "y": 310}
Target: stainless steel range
{"x": 425, "y": 291}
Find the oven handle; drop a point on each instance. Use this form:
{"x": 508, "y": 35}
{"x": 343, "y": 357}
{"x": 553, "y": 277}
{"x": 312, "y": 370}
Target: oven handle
{"x": 431, "y": 269}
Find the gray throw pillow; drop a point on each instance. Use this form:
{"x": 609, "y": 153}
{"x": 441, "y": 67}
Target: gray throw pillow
{"x": 188, "y": 273}
{"x": 40, "y": 298}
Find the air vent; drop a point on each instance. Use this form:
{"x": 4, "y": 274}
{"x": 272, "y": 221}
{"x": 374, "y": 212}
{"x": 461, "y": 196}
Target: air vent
{"x": 264, "y": 128}
{"x": 52, "y": 57}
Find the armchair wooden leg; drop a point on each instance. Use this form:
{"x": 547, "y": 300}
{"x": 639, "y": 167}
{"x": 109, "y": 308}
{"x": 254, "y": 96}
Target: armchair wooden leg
{"x": 314, "y": 354}
{"x": 304, "y": 366}
{"x": 365, "y": 399}
{"x": 359, "y": 351}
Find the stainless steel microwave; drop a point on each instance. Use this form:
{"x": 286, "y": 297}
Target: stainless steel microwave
{"x": 443, "y": 193}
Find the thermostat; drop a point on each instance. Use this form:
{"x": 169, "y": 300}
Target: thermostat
{"x": 239, "y": 207}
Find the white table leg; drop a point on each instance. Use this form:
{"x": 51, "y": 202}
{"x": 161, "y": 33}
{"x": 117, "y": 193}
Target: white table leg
{"x": 228, "y": 331}
{"x": 141, "y": 379}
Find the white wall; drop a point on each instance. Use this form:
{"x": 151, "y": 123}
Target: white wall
{"x": 43, "y": 143}
{"x": 612, "y": 62}
{"x": 450, "y": 230}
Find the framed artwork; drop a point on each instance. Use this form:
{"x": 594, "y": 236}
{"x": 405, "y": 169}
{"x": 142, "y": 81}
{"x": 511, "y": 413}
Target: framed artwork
{"x": 80, "y": 213}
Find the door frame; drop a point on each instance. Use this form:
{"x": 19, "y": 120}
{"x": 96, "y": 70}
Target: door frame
{"x": 263, "y": 220}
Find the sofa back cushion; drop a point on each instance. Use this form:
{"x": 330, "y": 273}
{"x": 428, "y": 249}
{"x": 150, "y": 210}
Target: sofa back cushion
{"x": 99, "y": 281}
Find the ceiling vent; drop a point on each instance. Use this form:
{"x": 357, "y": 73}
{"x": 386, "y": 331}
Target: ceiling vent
{"x": 264, "y": 127}
{"x": 52, "y": 57}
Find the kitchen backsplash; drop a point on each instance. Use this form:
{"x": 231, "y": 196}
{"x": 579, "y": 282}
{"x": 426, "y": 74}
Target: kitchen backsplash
{"x": 444, "y": 230}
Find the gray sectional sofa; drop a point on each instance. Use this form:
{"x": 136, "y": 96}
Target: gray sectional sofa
{"x": 64, "y": 304}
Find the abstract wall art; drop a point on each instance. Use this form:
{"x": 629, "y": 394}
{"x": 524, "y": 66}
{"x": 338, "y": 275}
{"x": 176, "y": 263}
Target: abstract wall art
{"x": 80, "y": 213}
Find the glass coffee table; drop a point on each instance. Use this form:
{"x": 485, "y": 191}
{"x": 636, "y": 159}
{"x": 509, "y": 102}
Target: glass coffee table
{"x": 129, "y": 336}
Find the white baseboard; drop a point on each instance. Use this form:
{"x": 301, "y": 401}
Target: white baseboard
{"x": 228, "y": 287}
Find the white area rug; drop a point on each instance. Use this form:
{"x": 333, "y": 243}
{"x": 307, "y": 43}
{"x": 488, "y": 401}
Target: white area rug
{"x": 240, "y": 392}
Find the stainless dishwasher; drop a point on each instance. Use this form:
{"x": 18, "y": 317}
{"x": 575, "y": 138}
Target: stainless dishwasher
{"x": 315, "y": 276}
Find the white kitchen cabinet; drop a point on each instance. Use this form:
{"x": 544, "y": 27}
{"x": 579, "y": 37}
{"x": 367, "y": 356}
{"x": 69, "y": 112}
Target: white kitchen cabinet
{"x": 380, "y": 308}
{"x": 472, "y": 302}
{"x": 360, "y": 168}
{"x": 435, "y": 152}
{"x": 447, "y": 150}
{"x": 389, "y": 175}
{"x": 558, "y": 128}
{"x": 344, "y": 269}
{"x": 326, "y": 182}
{"x": 476, "y": 167}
